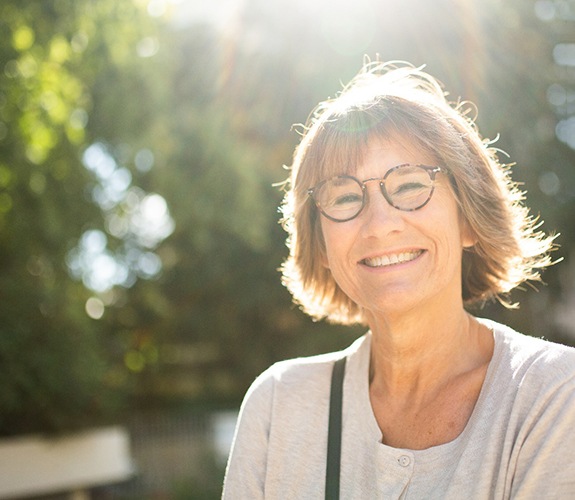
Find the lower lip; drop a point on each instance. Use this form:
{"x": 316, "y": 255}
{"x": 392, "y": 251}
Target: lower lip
{"x": 393, "y": 267}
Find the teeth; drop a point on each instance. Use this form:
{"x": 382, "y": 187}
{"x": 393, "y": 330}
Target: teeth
{"x": 390, "y": 260}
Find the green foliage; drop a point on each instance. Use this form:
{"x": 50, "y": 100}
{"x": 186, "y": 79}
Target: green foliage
{"x": 56, "y": 368}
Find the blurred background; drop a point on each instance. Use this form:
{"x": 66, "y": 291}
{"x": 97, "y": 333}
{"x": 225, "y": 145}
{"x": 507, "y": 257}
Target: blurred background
{"x": 139, "y": 236}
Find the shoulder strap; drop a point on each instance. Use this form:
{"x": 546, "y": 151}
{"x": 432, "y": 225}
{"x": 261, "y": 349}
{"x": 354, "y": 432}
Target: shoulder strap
{"x": 334, "y": 431}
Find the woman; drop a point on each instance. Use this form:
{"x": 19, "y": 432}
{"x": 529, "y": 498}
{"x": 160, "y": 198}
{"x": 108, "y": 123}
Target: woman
{"x": 399, "y": 216}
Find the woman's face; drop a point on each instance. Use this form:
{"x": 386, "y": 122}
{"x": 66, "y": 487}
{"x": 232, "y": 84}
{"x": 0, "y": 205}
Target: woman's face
{"x": 391, "y": 261}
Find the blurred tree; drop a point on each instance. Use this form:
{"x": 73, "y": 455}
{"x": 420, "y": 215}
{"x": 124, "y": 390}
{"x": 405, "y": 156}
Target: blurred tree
{"x": 56, "y": 368}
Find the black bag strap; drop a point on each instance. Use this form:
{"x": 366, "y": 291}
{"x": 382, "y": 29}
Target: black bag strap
{"x": 334, "y": 431}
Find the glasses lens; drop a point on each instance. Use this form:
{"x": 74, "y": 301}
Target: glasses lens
{"x": 340, "y": 198}
{"x": 408, "y": 187}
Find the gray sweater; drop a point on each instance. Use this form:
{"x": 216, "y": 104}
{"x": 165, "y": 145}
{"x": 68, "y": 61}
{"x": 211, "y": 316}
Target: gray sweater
{"x": 518, "y": 443}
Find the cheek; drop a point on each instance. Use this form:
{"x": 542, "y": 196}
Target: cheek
{"x": 329, "y": 254}
{"x": 321, "y": 239}
{"x": 465, "y": 236}
{"x": 334, "y": 240}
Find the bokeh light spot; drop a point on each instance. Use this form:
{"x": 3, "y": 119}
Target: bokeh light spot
{"x": 23, "y": 38}
{"x": 148, "y": 47}
{"x": 564, "y": 54}
{"x": 545, "y": 10}
{"x": 549, "y": 183}
{"x": 144, "y": 160}
{"x": 135, "y": 361}
{"x": 94, "y": 308}
{"x": 565, "y": 131}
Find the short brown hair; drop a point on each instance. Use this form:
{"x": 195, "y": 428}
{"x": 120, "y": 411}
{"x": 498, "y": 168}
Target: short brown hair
{"x": 400, "y": 101}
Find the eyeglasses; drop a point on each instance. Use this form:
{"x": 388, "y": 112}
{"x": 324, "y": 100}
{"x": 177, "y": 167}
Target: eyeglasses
{"x": 405, "y": 187}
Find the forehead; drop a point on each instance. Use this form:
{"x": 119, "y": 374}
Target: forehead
{"x": 380, "y": 155}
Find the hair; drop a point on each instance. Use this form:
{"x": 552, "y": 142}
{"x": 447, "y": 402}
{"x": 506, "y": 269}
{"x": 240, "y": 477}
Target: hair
{"x": 400, "y": 102}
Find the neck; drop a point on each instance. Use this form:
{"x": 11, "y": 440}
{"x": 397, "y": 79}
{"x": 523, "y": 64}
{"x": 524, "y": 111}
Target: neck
{"x": 413, "y": 355}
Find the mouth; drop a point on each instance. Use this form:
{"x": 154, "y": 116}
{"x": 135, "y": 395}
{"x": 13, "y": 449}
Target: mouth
{"x": 391, "y": 259}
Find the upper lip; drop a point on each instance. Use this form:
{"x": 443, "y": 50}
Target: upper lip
{"x": 393, "y": 257}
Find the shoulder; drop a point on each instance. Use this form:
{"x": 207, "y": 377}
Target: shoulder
{"x": 296, "y": 370}
{"x": 533, "y": 364}
{"x": 534, "y": 393}
{"x": 304, "y": 376}
{"x": 525, "y": 351}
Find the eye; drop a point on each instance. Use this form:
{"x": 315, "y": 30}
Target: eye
{"x": 340, "y": 193}
{"x": 408, "y": 188}
{"x": 346, "y": 199}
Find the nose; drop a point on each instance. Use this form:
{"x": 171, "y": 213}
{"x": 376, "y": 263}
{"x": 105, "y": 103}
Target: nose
{"x": 379, "y": 218}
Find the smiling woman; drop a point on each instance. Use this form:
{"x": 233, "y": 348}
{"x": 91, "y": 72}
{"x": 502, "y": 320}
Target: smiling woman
{"x": 399, "y": 215}
{"x": 410, "y": 107}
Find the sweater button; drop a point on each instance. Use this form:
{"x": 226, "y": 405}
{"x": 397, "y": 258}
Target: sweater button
{"x": 404, "y": 460}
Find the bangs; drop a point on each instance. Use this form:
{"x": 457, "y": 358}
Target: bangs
{"x": 341, "y": 143}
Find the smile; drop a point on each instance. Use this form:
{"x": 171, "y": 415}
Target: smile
{"x": 391, "y": 259}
